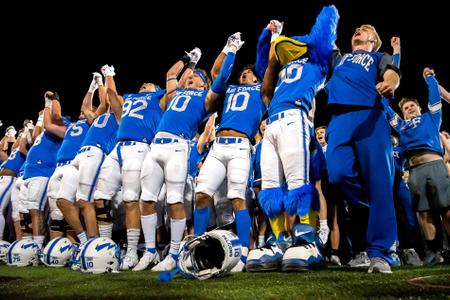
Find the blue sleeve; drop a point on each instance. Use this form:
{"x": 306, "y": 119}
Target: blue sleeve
{"x": 394, "y": 119}
{"x": 220, "y": 84}
{"x": 396, "y": 60}
{"x": 262, "y": 52}
{"x": 434, "y": 97}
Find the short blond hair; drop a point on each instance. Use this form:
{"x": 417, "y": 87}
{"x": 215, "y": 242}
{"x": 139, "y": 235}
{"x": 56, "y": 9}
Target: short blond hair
{"x": 377, "y": 42}
{"x": 404, "y": 100}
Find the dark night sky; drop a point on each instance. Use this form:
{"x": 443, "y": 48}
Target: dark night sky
{"x": 60, "y": 46}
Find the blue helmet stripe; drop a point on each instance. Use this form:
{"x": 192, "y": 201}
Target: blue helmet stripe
{"x": 83, "y": 261}
{"x": 51, "y": 249}
{"x": 10, "y": 251}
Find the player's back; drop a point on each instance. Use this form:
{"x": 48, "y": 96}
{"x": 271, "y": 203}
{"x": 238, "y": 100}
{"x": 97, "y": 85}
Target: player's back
{"x": 14, "y": 162}
{"x": 141, "y": 115}
{"x": 102, "y": 133}
{"x": 74, "y": 137}
{"x": 41, "y": 158}
{"x": 298, "y": 83}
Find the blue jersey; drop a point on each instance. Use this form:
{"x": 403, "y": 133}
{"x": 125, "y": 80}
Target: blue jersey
{"x": 141, "y": 114}
{"x": 194, "y": 159}
{"x": 420, "y": 133}
{"x": 185, "y": 112}
{"x": 298, "y": 83}
{"x": 243, "y": 109}
{"x": 102, "y": 133}
{"x": 73, "y": 138}
{"x": 257, "y": 177}
{"x": 318, "y": 167}
{"x": 399, "y": 160}
{"x": 355, "y": 76}
{"x": 41, "y": 158}
{"x": 15, "y": 161}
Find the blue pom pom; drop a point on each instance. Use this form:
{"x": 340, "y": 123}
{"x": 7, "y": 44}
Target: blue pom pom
{"x": 271, "y": 201}
{"x": 167, "y": 276}
{"x": 298, "y": 201}
{"x": 322, "y": 38}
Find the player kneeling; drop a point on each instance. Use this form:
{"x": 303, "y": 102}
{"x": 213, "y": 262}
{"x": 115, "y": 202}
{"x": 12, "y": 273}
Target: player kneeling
{"x": 213, "y": 254}
{"x": 305, "y": 253}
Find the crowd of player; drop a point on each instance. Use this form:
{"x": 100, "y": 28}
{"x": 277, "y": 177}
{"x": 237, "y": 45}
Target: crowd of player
{"x": 153, "y": 168}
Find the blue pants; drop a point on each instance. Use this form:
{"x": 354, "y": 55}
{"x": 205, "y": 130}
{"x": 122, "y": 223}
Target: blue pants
{"x": 360, "y": 163}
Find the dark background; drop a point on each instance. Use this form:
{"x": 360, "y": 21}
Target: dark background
{"x": 58, "y": 46}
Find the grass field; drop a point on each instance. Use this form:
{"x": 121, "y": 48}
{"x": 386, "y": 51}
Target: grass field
{"x": 333, "y": 283}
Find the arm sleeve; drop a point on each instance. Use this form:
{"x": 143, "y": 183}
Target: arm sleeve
{"x": 262, "y": 52}
{"x": 220, "y": 84}
{"x": 396, "y": 60}
{"x": 394, "y": 119}
{"x": 387, "y": 63}
{"x": 434, "y": 100}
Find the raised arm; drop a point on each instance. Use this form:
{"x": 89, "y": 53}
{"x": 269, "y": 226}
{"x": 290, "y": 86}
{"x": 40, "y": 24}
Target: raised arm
{"x": 444, "y": 94}
{"x": 86, "y": 106}
{"x": 434, "y": 97}
{"x": 52, "y": 116}
{"x": 115, "y": 100}
{"x": 172, "y": 82}
{"x": 268, "y": 35}
{"x": 39, "y": 127}
{"x": 396, "y": 51}
{"x": 220, "y": 84}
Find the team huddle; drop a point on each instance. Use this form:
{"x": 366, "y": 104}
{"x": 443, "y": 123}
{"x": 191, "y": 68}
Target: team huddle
{"x": 233, "y": 177}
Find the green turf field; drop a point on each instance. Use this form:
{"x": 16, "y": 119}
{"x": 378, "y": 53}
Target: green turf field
{"x": 336, "y": 283}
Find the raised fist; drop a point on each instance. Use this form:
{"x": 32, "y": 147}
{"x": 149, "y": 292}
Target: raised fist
{"x": 275, "y": 26}
{"x": 234, "y": 41}
{"x": 108, "y": 70}
{"x": 194, "y": 55}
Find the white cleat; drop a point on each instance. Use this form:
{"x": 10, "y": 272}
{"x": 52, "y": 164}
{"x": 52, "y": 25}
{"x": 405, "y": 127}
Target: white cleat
{"x": 129, "y": 261}
{"x": 239, "y": 267}
{"x": 146, "y": 260}
{"x": 166, "y": 265}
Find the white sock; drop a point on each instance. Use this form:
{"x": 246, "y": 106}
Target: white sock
{"x": 149, "y": 227}
{"x": 177, "y": 227}
{"x": 323, "y": 223}
{"x": 105, "y": 230}
{"x": 39, "y": 239}
{"x": 82, "y": 237}
{"x": 2, "y": 225}
{"x": 261, "y": 241}
{"x": 133, "y": 238}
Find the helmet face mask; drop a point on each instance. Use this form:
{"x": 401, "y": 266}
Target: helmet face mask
{"x": 4, "y": 246}
{"x": 214, "y": 253}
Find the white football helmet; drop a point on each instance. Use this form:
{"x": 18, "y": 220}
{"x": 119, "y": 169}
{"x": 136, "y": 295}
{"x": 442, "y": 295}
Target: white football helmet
{"x": 22, "y": 253}
{"x": 100, "y": 255}
{"x": 57, "y": 252}
{"x": 214, "y": 253}
{"x": 4, "y": 245}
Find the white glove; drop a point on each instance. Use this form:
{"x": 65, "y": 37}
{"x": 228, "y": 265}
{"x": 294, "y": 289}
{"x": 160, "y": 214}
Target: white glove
{"x": 93, "y": 86}
{"x": 324, "y": 231}
{"x": 194, "y": 55}
{"x": 108, "y": 70}
{"x": 276, "y": 27}
{"x": 234, "y": 42}
{"x": 48, "y": 101}
{"x": 98, "y": 78}
{"x": 30, "y": 126}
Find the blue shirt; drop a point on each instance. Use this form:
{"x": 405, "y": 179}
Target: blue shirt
{"x": 102, "y": 133}
{"x": 73, "y": 138}
{"x": 194, "y": 158}
{"x": 243, "y": 109}
{"x": 420, "y": 132}
{"x": 41, "y": 158}
{"x": 355, "y": 76}
{"x": 15, "y": 161}
{"x": 141, "y": 115}
{"x": 257, "y": 177}
{"x": 298, "y": 83}
{"x": 185, "y": 112}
